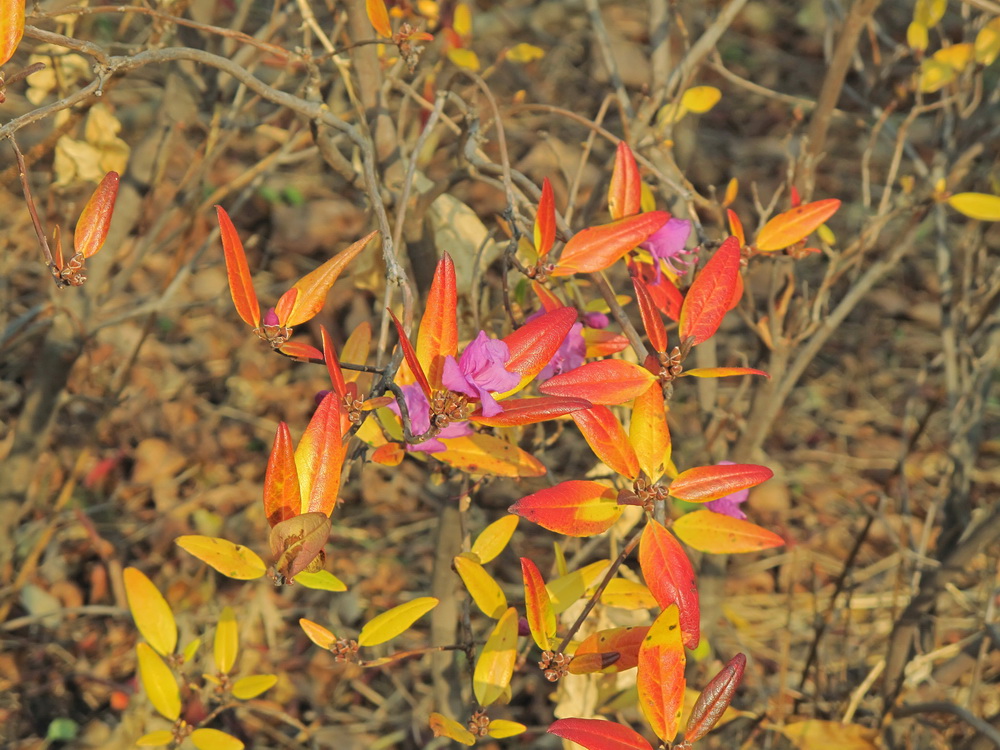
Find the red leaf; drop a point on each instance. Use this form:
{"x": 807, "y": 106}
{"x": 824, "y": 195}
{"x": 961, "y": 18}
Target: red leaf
{"x": 411, "y": 357}
{"x": 597, "y": 248}
{"x": 714, "y": 699}
{"x": 661, "y": 675}
{"x": 534, "y": 344}
{"x": 597, "y": 734}
{"x": 670, "y": 578}
{"x": 240, "y": 285}
{"x": 320, "y": 456}
{"x": 607, "y": 438}
{"x": 623, "y": 641}
{"x": 603, "y": 343}
{"x": 332, "y": 365}
{"x": 545, "y": 221}
{"x": 437, "y": 336}
{"x": 521, "y": 411}
{"x": 704, "y": 483}
{"x": 651, "y": 319}
{"x": 92, "y": 226}
{"x": 574, "y": 508}
{"x": 537, "y": 605}
{"x": 787, "y": 228}
{"x": 709, "y": 296}
{"x": 607, "y": 382}
{"x": 625, "y": 192}
{"x": 281, "y": 480}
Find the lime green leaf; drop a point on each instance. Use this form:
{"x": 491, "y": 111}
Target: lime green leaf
{"x": 500, "y": 728}
{"x": 464, "y": 58}
{"x": 525, "y": 53}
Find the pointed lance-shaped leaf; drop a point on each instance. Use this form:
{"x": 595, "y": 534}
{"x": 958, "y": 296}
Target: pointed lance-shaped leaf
{"x": 597, "y": 248}
{"x": 501, "y": 728}
{"x": 545, "y": 221}
{"x": 159, "y": 682}
{"x": 576, "y": 508}
{"x": 378, "y": 16}
{"x": 92, "y": 227}
{"x": 522, "y": 411}
{"x": 979, "y": 206}
{"x": 410, "y": 355}
{"x": 320, "y": 456}
{"x": 332, "y": 365}
{"x": 651, "y": 319}
{"x": 253, "y": 685}
{"x": 494, "y": 538}
{"x": 297, "y": 542}
{"x": 240, "y": 285}
{"x": 715, "y": 699}
{"x": 708, "y": 299}
{"x": 150, "y": 611}
{"x": 670, "y": 578}
{"x": 395, "y": 621}
{"x": 495, "y": 665}
{"x": 605, "y": 382}
{"x": 320, "y": 580}
{"x": 11, "y": 27}
{"x": 232, "y": 560}
{"x": 227, "y": 643}
{"x": 787, "y": 228}
{"x": 482, "y": 587}
{"x": 649, "y": 432}
{"x": 317, "y": 633}
{"x": 624, "y": 641}
{"x": 717, "y": 533}
{"x": 311, "y": 289}
{"x": 487, "y": 454}
{"x": 538, "y": 606}
{"x": 704, "y": 483}
{"x": 661, "y": 675}
{"x": 607, "y": 438}
{"x": 437, "y": 336}
{"x": 598, "y": 734}
{"x": 281, "y": 480}
{"x": 533, "y": 345}
{"x": 736, "y": 227}
{"x": 625, "y": 191}
{"x": 722, "y": 372}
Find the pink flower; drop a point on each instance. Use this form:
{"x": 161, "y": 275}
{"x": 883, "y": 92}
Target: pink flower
{"x": 729, "y": 505}
{"x": 667, "y": 245}
{"x": 420, "y": 420}
{"x": 480, "y": 372}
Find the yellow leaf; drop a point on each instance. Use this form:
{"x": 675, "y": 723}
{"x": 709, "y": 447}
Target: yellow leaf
{"x": 232, "y": 560}
{"x": 700, "y": 99}
{"x": 621, "y": 592}
{"x": 246, "y": 688}
{"x": 814, "y": 734}
{"x": 442, "y": 726}
{"x": 191, "y": 649}
{"x": 671, "y": 113}
{"x": 929, "y": 12}
{"x": 934, "y": 76}
{"x": 957, "y": 56}
{"x": 158, "y": 682}
{"x": 321, "y": 580}
{"x": 567, "y": 589}
{"x": 150, "y": 611}
{"x": 155, "y": 739}
{"x": 227, "y": 642}
{"x": 391, "y": 623}
{"x": 494, "y": 538}
{"x": 826, "y": 234}
{"x": 916, "y": 36}
{"x": 525, "y": 53}
{"x": 213, "y": 739}
{"x": 495, "y": 665}
{"x": 379, "y": 17}
{"x": 486, "y": 454}
{"x": 500, "y": 728}
{"x": 987, "y": 44}
{"x": 981, "y": 206}
{"x": 317, "y": 633}
{"x": 464, "y": 58}
{"x": 461, "y": 21}
{"x": 485, "y": 591}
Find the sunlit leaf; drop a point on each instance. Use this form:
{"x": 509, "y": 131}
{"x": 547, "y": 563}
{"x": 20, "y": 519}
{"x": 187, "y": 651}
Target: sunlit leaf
{"x": 191, "y": 649}
{"x": 356, "y": 348}
{"x": 598, "y": 734}
{"x": 603, "y": 343}
{"x": 485, "y": 591}
{"x": 522, "y": 411}
{"x": 605, "y": 382}
{"x": 227, "y": 643}
{"x": 597, "y": 248}
{"x": 707, "y": 301}
{"x": 319, "y": 456}
{"x": 246, "y": 688}
{"x": 929, "y": 12}
{"x": 486, "y": 454}
{"x": 395, "y": 621}
{"x": 714, "y": 699}
{"x": 575, "y": 508}
{"x": 607, "y": 439}
{"x": 736, "y": 227}
{"x": 538, "y": 605}
{"x": 301, "y": 352}
{"x": 567, "y": 589}
{"x": 651, "y": 319}
{"x": 525, "y": 53}
{"x": 545, "y": 220}
{"x": 494, "y": 538}
{"x": 956, "y": 56}
{"x": 722, "y": 372}
{"x": 787, "y": 228}
{"x": 150, "y": 611}
{"x": 626, "y": 594}
{"x": 155, "y": 739}
{"x": 704, "y": 483}
{"x": 281, "y": 480}
{"x": 464, "y": 58}
{"x": 92, "y": 227}
{"x": 332, "y": 364}
{"x": 700, "y": 99}
{"x": 495, "y": 665}
{"x": 389, "y": 454}
{"x": 158, "y": 682}
{"x": 320, "y": 580}
{"x": 732, "y": 190}
{"x": 670, "y": 578}
{"x": 661, "y": 675}
{"x": 232, "y": 560}
{"x": 981, "y": 206}
{"x": 934, "y": 75}
{"x": 240, "y": 285}
{"x": 625, "y": 190}
{"x": 623, "y": 641}
{"x": 11, "y": 27}
{"x": 718, "y": 533}
{"x": 317, "y": 633}
{"x": 206, "y": 738}
{"x": 500, "y": 728}
{"x": 437, "y": 336}
{"x": 649, "y": 433}
{"x": 295, "y": 543}
{"x": 533, "y": 345}
{"x": 987, "y": 44}
{"x": 442, "y": 726}
{"x": 416, "y": 370}
{"x": 917, "y": 37}
{"x": 378, "y": 16}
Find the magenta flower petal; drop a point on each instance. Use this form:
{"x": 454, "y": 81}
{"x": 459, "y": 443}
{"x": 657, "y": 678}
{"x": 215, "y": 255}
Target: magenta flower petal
{"x": 667, "y": 245}
{"x": 481, "y": 372}
{"x": 570, "y": 354}
{"x": 270, "y": 317}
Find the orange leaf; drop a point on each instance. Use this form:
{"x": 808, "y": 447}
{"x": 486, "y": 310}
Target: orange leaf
{"x": 704, "y": 483}
{"x": 736, "y": 227}
{"x": 150, "y": 611}
{"x": 411, "y": 357}
{"x": 320, "y": 456}
{"x": 592, "y": 663}
{"x": 301, "y": 352}
{"x": 317, "y": 633}
{"x": 486, "y": 454}
{"x": 623, "y": 641}
{"x": 574, "y": 508}
{"x": 708, "y": 298}
{"x": 717, "y": 533}
{"x": 649, "y": 432}
{"x": 495, "y": 665}
{"x": 606, "y": 437}
{"x": 379, "y": 17}
{"x": 598, "y": 734}
{"x": 92, "y": 227}
{"x": 606, "y": 382}
{"x": 281, "y": 480}
{"x": 661, "y": 675}
{"x": 670, "y": 578}
{"x": 297, "y": 542}
{"x": 787, "y": 228}
{"x": 722, "y": 372}
{"x": 240, "y": 285}
{"x": 538, "y": 605}
{"x": 294, "y": 309}
{"x": 603, "y": 343}
{"x": 548, "y": 299}
{"x": 597, "y": 248}
{"x": 332, "y": 365}
{"x": 11, "y": 27}
{"x": 714, "y": 699}
{"x": 521, "y": 411}
{"x": 534, "y": 344}
{"x": 625, "y": 191}
{"x": 389, "y": 454}
{"x": 651, "y": 319}
{"x": 545, "y": 221}
{"x": 438, "y": 333}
